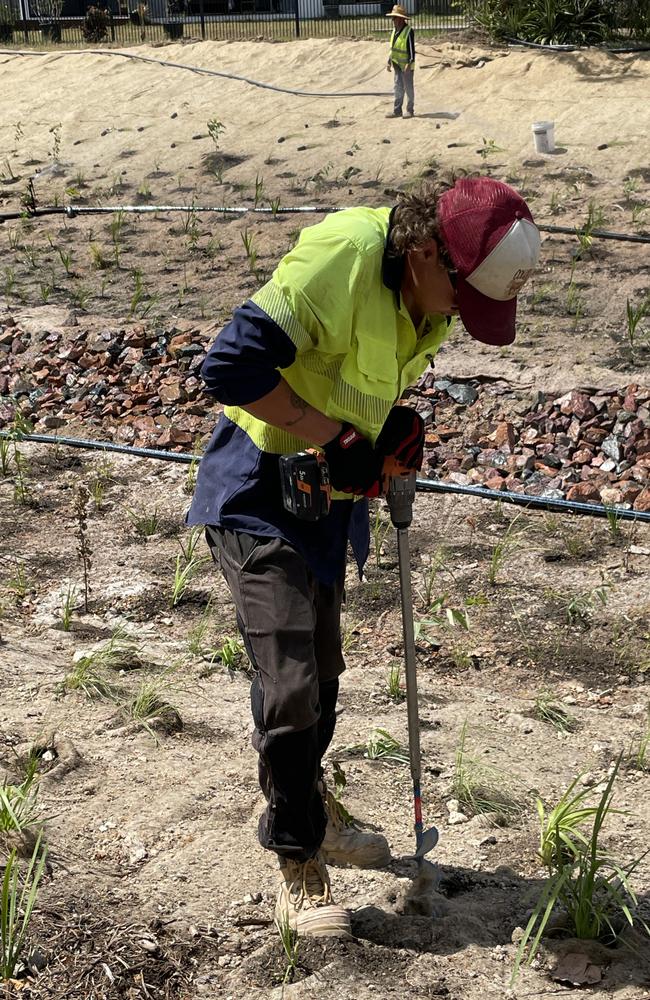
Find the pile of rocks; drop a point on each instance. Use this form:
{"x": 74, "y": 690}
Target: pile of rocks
{"x": 139, "y": 385}
{"x": 587, "y": 445}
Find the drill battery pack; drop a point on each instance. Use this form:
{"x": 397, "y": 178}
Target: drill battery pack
{"x": 305, "y": 481}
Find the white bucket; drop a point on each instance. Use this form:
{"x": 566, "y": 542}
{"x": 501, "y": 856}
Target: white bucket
{"x": 544, "y": 135}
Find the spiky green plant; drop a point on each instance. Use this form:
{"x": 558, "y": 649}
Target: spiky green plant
{"x": 67, "y": 607}
{"x": 19, "y": 808}
{"x": 394, "y": 687}
{"x": 146, "y": 523}
{"x": 506, "y": 545}
{"x": 18, "y": 894}
{"x": 591, "y": 887}
{"x": 547, "y": 710}
{"x": 480, "y": 788}
{"x": 151, "y": 704}
{"x": 289, "y": 939}
{"x": 380, "y": 745}
{"x": 184, "y": 573}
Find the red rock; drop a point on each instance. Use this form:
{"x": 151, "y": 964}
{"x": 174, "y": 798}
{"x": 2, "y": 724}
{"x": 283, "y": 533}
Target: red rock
{"x": 72, "y": 353}
{"x": 574, "y": 430}
{"x": 529, "y": 435}
{"x": 172, "y": 436}
{"x": 578, "y": 404}
{"x": 180, "y": 340}
{"x": 611, "y": 495}
{"x": 582, "y": 456}
{"x": 546, "y": 470}
{"x": 595, "y": 435}
{"x": 505, "y": 436}
{"x": 495, "y": 482}
{"x": 584, "y": 492}
{"x": 170, "y": 390}
{"x": 445, "y": 433}
{"x": 130, "y": 357}
{"x": 642, "y": 502}
{"x": 144, "y": 425}
{"x": 629, "y": 491}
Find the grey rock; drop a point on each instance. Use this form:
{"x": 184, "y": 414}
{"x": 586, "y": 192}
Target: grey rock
{"x": 611, "y": 448}
{"x": 463, "y": 394}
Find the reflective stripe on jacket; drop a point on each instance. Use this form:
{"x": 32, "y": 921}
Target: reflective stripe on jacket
{"x": 399, "y": 46}
{"x": 356, "y": 347}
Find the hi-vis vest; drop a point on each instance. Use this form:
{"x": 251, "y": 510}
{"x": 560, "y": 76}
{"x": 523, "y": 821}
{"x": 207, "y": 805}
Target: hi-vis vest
{"x": 399, "y": 46}
{"x": 357, "y": 348}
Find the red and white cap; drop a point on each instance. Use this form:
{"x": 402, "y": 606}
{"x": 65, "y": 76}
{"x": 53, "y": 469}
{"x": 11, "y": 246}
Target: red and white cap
{"x": 493, "y": 243}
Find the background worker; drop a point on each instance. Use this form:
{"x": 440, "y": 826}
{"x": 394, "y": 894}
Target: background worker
{"x": 402, "y": 62}
{"x": 319, "y": 357}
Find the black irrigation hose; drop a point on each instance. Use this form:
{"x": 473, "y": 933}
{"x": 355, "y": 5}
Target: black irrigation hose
{"x": 602, "y": 234}
{"x": 204, "y": 72}
{"x": 422, "y": 485}
{"x": 72, "y": 211}
{"x": 578, "y": 48}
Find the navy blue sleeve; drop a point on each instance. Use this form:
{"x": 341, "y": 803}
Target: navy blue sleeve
{"x": 242, "y": 364}
{"x": 411, "y": 44}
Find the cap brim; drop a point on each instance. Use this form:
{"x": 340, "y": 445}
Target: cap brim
{"x": 488, "y": 320}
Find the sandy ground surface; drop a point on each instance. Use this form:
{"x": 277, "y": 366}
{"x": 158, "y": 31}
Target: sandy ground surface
{"x": 157, "y": 887}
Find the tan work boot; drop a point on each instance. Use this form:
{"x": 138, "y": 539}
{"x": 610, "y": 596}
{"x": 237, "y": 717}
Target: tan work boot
{"x": 305, "y": 901}
{"x": 344, "y": 844}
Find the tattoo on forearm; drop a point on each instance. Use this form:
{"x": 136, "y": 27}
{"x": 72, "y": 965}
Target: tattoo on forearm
{"x": 299, "y": 404}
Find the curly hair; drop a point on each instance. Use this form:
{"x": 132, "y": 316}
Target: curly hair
{"x": 415, "y": 221}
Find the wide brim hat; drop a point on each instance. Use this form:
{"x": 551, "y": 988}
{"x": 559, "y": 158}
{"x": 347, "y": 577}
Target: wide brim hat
{"x": 493, "y": 242}
{"x": 398, "y": 11}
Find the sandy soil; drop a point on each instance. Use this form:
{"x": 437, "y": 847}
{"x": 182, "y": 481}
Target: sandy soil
{"x": 157, "y": 887}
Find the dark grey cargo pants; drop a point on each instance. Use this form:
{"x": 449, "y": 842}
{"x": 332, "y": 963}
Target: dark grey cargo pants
{"x": 290, "y": 624}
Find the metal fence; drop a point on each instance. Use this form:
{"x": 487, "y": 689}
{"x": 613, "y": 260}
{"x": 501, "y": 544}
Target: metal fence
{"x": 112, "y": 22}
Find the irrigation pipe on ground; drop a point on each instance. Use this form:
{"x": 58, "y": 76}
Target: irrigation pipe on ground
{"x": 422, "y": 485}
{"x": 72, "y": 211}
{"x": 201, "y": 71}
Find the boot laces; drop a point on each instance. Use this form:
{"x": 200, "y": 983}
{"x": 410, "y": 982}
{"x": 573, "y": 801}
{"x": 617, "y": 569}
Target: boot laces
{"x": 311, "y": 883}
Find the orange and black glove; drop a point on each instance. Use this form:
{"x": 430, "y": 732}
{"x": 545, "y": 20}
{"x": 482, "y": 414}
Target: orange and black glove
{"x": 355, "y": 466}
{"x": 402, "y": 436}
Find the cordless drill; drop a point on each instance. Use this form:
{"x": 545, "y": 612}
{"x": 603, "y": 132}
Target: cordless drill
{"x": 306, "y": 489}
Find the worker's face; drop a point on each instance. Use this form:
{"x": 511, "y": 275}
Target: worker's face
{"x": 430, "y": 282}
{"x": 399, "y": 23}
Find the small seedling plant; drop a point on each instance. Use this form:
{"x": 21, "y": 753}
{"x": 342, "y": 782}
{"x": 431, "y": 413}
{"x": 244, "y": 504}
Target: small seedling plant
{"x": 381, "y": 746}
{"x": 18, "y": 894}
{"x": 151, "y": 705}
{"x": 547, "y": 710}
{"x": 84, "y": 548}
{"x": 591, "y": 886}
{"x": 504, "y": 548}
{"x": 146, "y": 523}
{"x": 480, "y": 788}
{"x": 289, "y": 940}
{"x": 67, "y": 607}
{"x": 19, "y": 809}
{"x": 394, "y": 686}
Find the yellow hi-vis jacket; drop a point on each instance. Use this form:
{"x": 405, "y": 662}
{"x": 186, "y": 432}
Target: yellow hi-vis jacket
{"x": 357, "y": 348}
{"x": 399, "y": 53}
